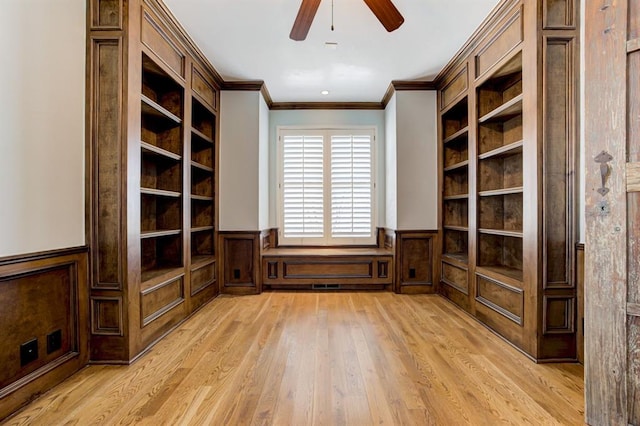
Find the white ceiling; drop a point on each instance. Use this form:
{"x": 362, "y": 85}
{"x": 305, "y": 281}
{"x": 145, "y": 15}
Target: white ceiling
{"x": 249, "y": 40}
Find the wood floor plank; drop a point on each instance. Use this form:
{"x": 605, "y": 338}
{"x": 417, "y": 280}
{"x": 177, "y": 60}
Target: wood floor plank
{"x": 321, "y": 358}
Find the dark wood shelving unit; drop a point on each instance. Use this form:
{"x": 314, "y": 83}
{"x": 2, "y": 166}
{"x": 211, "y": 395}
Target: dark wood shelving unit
{"x": 508, "y": 132}
{"x": 203, "y": 134}
{"x": 161, "y": 176}
{"x": 500, "y": 171}
{"x": 153, "y": 142}
{"x": 454, "y": 124}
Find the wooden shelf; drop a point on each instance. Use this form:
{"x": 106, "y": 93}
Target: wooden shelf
{"x": 201, "y": 135}
{"x": 456, "y": 259}
{"x": 160, "y": 192}
{"x": 154, "y": 150}
{"x": 456, "y": 135}
{"x": 455, "y": 197}
{"x": 503, "y": 151}
{"x": 153, "y": 109}
{"x": 201, "y": 198}
{"x": 456, "y": 228}
{"x": 198, "y": 262}
{"x": 456, "y": 166}
{"x": 498, "y": 273}
{"x": 201, "y": 167}
{"x": 505, "y": 191}
{"x": 501, "y": 232}
{"x": 202, "y": 229}
{"x": 505, "y": 111}
{"x": 152, "y": 277}
{"x": 161, "y": 233}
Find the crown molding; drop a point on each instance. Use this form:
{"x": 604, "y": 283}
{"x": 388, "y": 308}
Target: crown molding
{"x": 243, "y": 85}
{"x": 250, "y": 86}
{"x": 326, "y": 105}
{"x": 399, "y": 85}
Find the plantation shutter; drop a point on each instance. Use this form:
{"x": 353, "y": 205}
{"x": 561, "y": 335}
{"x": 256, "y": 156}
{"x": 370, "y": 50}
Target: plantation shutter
{"x": 303, "y": 200}
{"x": 351, "y": 186}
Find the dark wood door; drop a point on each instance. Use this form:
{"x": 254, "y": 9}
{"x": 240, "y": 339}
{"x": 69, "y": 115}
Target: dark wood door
{"x": 612, "y": 191}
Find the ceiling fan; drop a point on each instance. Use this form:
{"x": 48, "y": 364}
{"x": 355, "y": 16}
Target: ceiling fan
{"x": 384, "y": 10}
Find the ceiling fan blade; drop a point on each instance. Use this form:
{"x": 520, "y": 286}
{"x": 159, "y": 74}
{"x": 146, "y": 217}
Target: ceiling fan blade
{"x": 386, "y": 13}
{"x": 303, "y": 21}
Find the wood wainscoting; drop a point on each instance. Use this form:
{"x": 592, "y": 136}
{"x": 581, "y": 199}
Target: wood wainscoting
{"x": 44, "y": 299}
{"x": 240, "y": 262}
{"x": 415, "y": 265}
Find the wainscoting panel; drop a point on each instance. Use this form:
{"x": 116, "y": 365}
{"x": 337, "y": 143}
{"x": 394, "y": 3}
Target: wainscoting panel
{"x": 44, "y": 299}
{"x": 415, "y": 266}
{"x": 240, "y": 262}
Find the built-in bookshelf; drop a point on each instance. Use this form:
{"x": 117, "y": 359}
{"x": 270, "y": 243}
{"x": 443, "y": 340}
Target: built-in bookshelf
{"x": 455, "y": 194}
{"x": 152, "y": 125}
{"x": 508, "y": 138}
{"x": 161, "y": 173}
{"x": 500, "y": 167}
{"x": 203, "y": 126}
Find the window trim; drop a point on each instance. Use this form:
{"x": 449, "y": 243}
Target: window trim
{"x": 326, "y": 132}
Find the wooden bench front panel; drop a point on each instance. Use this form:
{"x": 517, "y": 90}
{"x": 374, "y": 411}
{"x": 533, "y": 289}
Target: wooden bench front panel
{"x": 344, "y": 271}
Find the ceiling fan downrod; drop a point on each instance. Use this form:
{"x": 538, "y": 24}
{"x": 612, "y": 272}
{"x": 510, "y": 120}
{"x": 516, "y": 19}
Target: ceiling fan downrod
{"x": 332, "y": 15}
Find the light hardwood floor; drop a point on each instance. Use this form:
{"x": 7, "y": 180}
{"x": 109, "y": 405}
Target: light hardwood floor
{"x": 321, "y": 358}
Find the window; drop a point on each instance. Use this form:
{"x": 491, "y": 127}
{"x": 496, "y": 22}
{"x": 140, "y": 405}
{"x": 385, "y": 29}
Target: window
{"x": 326, "y": 188}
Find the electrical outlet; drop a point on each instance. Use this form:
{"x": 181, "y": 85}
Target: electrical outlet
{"x": 412, "y": 272}
{"x": 236, "y": 274}
{"x": 54, "y": 341}
{"x": 28, "y": 352}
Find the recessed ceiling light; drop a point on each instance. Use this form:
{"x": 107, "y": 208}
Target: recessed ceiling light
{"x": 331, "y": 45}
{"x": 324, "y": 92}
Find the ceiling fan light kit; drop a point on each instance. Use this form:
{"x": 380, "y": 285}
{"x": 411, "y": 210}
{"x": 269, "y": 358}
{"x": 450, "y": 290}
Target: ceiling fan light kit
{"x": 384, "y": 10}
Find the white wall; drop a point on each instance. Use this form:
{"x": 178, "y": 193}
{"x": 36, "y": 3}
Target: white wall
{"x": 391, "y": 172}
{"x": 239, "y": 160}
{"x": 417, "y": 160}
{"x": 327, "y": 118}
{"x": 42, "y": 82}
{"x": 263, "y": 167}
{"x": 412, "y": 161}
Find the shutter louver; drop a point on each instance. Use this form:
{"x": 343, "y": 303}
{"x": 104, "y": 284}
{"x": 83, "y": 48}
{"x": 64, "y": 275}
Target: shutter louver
{"x": 351, "y": 186}
{"x": 303, "y": 186}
